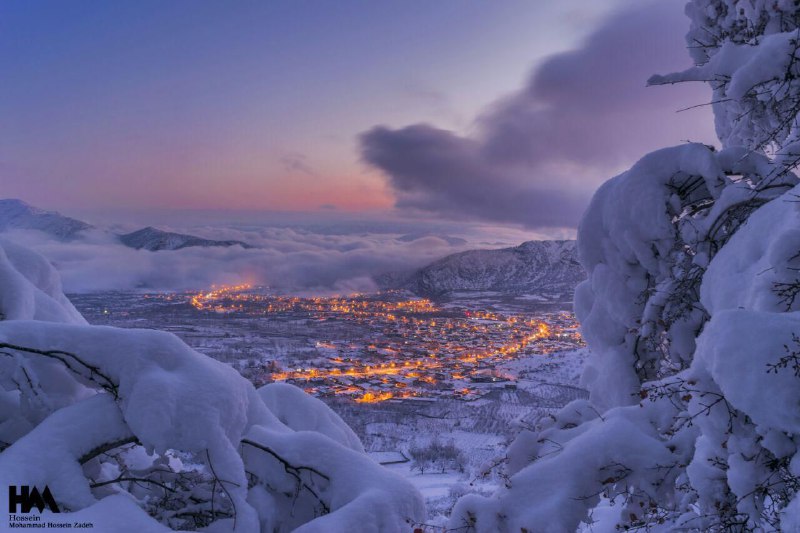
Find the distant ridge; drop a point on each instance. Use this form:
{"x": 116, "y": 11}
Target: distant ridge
{"x": 153, "y": 239}
{"x": 549, "y": 269}
{"x": 16, "y": 214}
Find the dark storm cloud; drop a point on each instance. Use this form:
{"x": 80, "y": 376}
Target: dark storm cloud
{"x": 538, "y": 154}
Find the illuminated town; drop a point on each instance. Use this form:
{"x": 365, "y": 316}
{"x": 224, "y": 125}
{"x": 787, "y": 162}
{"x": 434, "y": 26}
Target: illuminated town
{"x": 471, "y": 369}
{"x": 416, "y": 350}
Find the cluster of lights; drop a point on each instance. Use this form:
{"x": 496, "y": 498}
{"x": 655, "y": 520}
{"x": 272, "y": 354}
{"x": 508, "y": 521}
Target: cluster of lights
{"x": 229, "y": 298}
{"x": 447, "y": 353}
{"x": 210, "y": 300}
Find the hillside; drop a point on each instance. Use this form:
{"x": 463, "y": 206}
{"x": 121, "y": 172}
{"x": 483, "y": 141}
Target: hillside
{"x": 545, "y": 268}
{"x": 153, "y": 239}
{"x": 16, "y": 214}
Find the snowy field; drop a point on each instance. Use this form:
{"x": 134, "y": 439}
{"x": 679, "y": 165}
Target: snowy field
{"x": 482, "y": 429}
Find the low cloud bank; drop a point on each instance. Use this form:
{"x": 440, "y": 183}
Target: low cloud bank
{"x": 286, "y": 258}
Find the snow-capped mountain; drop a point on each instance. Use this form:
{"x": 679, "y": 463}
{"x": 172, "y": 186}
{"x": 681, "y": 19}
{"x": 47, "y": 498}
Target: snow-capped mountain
{"x": 16, "y": 214}
{"x": 546, "y": 268}
{"x": 153, "y": 239}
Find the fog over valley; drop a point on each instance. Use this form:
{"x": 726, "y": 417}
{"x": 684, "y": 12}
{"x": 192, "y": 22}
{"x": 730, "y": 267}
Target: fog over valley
{"x": 341, "y": 254}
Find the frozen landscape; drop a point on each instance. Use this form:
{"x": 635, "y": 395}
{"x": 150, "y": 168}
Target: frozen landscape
{"x": 404, "y": 372}
{"x": 578, "y": 311}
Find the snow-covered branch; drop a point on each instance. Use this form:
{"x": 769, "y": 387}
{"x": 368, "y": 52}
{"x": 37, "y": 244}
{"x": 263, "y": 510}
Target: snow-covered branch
{"x": 691, "y": 312}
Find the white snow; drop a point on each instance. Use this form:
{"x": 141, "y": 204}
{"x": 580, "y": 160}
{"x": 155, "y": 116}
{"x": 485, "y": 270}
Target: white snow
{"x": 32, "y": 288}
{"x": 691, "y": 315}
{"x": 302, "y": 412}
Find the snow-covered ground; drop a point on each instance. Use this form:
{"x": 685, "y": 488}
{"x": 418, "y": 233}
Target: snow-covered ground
{"x": 482, "y": 429}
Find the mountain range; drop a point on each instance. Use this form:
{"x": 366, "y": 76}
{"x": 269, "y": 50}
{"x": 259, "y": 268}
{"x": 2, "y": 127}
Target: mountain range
{"x": 545, "y": 269}
{"x": 16, "y": 214}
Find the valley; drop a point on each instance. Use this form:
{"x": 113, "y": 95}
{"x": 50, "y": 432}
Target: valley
{"x": 473, "y": 369}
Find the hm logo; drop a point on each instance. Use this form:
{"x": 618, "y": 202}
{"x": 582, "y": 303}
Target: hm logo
{"x": 27, "y": 499}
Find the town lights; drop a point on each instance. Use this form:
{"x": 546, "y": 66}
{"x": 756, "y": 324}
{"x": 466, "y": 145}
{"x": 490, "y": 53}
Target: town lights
{"x": 418, "y": 348}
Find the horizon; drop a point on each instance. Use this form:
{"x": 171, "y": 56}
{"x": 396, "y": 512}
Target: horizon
{"x": 327, "y": 253}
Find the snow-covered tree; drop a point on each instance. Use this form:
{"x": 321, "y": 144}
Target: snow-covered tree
{"x": 134, "y": 431}
{"x": 692, "y": 313}
{"x": 437, "y": 456}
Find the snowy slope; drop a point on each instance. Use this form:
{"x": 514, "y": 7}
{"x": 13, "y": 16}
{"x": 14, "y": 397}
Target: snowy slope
{"x": 537, "y": 267}
{"x": 16, "y": 214}
{"x": 153, "y": 239}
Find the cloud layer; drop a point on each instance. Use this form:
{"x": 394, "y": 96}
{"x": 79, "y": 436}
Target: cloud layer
{"x": 537, "y": 155}
{"x": 328, "y": 259}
